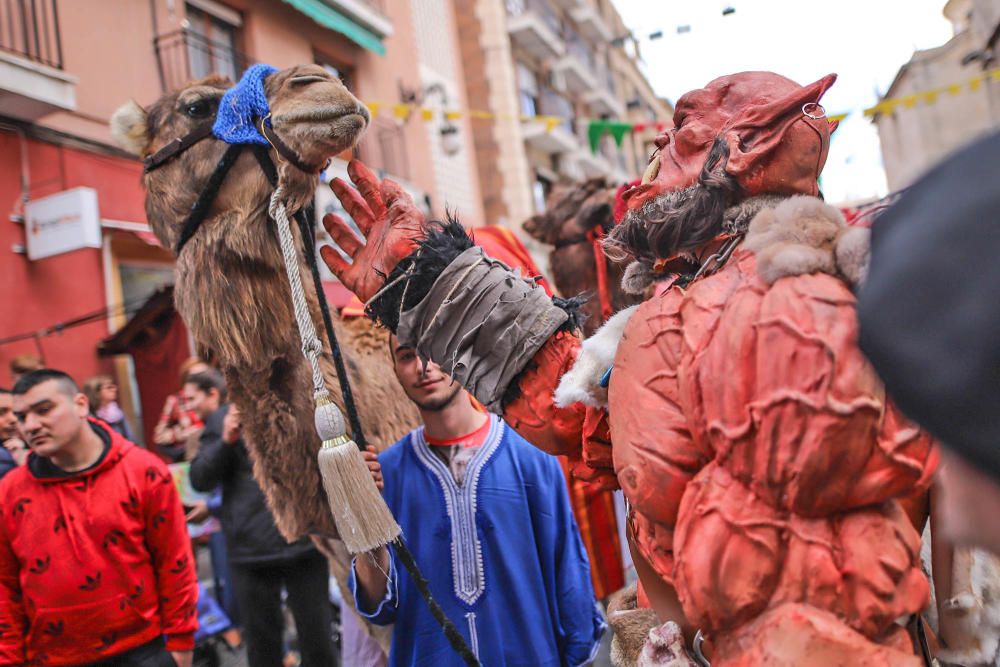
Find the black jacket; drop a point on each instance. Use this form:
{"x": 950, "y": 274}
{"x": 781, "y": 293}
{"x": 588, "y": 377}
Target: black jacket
{"x": 930, "y": 310}
{"x": 251, "y": 536}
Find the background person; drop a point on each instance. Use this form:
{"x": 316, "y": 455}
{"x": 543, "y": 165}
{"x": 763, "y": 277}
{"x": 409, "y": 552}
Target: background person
{"x": 102, "y": 395}
{"x": 177, "y": 429}
{"x": 261, "y": 562}
{"x": 22, "y": 364}
{"x": 95, "y": 562}
{"x": 478, "y": 502}
{"x": 14, "y": 450}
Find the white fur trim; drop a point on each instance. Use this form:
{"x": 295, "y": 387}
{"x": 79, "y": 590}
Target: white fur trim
{"x": 130, "y": 127}
{"x": 803, "y": 235}
{"x": 853, "y": 253}
{"x": 582, "y": 384}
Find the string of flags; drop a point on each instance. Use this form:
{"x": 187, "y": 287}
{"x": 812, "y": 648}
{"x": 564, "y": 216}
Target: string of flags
{"x": 598, "y": 128}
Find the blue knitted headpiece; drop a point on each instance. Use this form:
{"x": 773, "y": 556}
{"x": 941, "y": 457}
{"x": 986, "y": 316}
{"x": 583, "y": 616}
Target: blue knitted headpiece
{"x": 245, "y": 101}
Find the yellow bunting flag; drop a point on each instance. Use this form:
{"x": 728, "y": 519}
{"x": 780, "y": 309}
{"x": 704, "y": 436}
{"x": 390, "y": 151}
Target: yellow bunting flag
{"x": 955, "y": 89}
{"x": 552, "y": 122}
{"x": 427, "y": 114}
{"x": 373, "y": 108}
{"x": 480, "y": 115}
{"x": 402, "y": 111}
{"x": 974, "y": 84}
{"x": 452, "y": 115}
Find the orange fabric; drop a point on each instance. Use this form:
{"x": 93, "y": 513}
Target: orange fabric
{"x": 595, "y": 236}
{"x": 761, "y": 458}
{"x": 501, "y": 243}
{"x": 568, "y": 432}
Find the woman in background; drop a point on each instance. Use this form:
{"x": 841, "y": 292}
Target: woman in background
{"x": 178, "y": 428}
{"x": 102, "y": 393}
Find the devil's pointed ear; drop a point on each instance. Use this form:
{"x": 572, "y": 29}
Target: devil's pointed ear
{"x": 130, "y": 128}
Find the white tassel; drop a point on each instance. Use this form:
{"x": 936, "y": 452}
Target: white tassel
{"x": 363, "y": 519}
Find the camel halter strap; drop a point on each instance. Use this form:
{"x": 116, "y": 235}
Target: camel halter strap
{"x": 595, "y": 238}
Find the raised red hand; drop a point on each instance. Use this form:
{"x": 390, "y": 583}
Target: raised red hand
{"x": 392, "y": 224}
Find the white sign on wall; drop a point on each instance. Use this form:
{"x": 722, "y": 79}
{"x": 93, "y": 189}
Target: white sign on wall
{"x": 62, "y": 222}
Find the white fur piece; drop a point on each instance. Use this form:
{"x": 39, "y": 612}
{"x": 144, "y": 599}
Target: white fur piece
{"x": 803, "y": 235}
{"x": 976, "y": 614}
{"x": 582, "y": 384}
{"x": 973, "y": 611}
{"x": 130, "y": 127}
{"x": 853, "y": 254}
{"x": 665, "y": 648}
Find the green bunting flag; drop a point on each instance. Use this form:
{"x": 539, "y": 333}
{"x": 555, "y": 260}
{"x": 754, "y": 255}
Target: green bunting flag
{"x": 598, "y": 128}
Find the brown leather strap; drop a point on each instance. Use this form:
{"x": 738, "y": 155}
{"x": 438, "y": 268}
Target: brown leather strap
{"x": 176, "y": 147}
{"x": 285, "y": 151}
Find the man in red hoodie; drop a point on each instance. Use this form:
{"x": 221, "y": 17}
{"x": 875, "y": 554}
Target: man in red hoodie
{"x": 95, "y": 561}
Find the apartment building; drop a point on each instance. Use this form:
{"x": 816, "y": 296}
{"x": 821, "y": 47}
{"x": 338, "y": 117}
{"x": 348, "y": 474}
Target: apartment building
{"x": 569, "y": 59}
{"x": 66, "y": 65}
{"x": 914, "y": 137}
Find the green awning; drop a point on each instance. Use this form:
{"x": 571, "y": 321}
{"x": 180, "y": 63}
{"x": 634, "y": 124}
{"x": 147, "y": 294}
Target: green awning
{"x": 328, "y": 17}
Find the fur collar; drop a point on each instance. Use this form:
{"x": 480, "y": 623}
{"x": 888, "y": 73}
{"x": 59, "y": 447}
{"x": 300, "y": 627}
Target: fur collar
{"x": 804, "y": 235}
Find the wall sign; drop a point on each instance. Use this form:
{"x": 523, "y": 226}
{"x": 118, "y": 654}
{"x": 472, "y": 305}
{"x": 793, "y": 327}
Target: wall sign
{"x": 61, "y": 223}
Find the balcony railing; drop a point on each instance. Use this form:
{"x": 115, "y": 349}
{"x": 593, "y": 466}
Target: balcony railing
{"x": 552, "y": 103}
{"x": 184, "y": 55}
{"x": 540, "y": 7}
{"x": 576, "y": 46}
{"x": 30, "y": 29}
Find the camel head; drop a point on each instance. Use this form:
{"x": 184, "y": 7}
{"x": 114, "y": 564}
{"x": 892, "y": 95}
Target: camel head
{"x": 572, "y": 216}
{"x": 311, "y": 112}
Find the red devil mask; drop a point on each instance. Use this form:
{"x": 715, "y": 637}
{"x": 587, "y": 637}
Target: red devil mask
{"x": 776, "y": 132}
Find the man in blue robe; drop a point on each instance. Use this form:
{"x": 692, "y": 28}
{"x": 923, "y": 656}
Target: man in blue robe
{"x": 489, "y": 522}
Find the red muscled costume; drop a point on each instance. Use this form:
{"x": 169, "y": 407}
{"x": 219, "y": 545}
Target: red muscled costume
{"x": 761, "y": 459}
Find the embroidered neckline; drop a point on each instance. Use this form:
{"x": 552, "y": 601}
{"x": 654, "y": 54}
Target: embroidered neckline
{"x": 468, "y": 575}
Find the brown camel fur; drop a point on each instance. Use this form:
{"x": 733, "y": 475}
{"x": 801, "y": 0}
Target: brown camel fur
{"x": 571, "y": 212}
{"x": 232, "y": 290}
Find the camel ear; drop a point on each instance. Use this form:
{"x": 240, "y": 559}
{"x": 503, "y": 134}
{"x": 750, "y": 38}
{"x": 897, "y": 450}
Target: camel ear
{"x": 130, "y": 127}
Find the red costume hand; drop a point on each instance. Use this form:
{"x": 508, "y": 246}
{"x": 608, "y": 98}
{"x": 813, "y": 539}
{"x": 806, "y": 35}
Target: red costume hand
{"x": 390, "y": 221}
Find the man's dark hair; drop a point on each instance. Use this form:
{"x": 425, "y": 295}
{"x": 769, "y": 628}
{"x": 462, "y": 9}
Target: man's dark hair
{"x": 209, "y": 380}
{"x": 30, "y": 380}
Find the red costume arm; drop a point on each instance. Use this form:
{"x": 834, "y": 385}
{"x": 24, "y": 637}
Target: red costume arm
{"x": 534, "y": 415}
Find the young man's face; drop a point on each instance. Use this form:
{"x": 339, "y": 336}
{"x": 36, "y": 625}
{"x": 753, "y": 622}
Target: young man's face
{"x": 429, "y": 388}
{"x": 51, "y": 417}
{"x": 200, "y": 402}
{"x": 8, "y": 422}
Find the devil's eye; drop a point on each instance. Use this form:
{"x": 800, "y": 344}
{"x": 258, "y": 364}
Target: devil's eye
{"x": 199, "y": 109}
